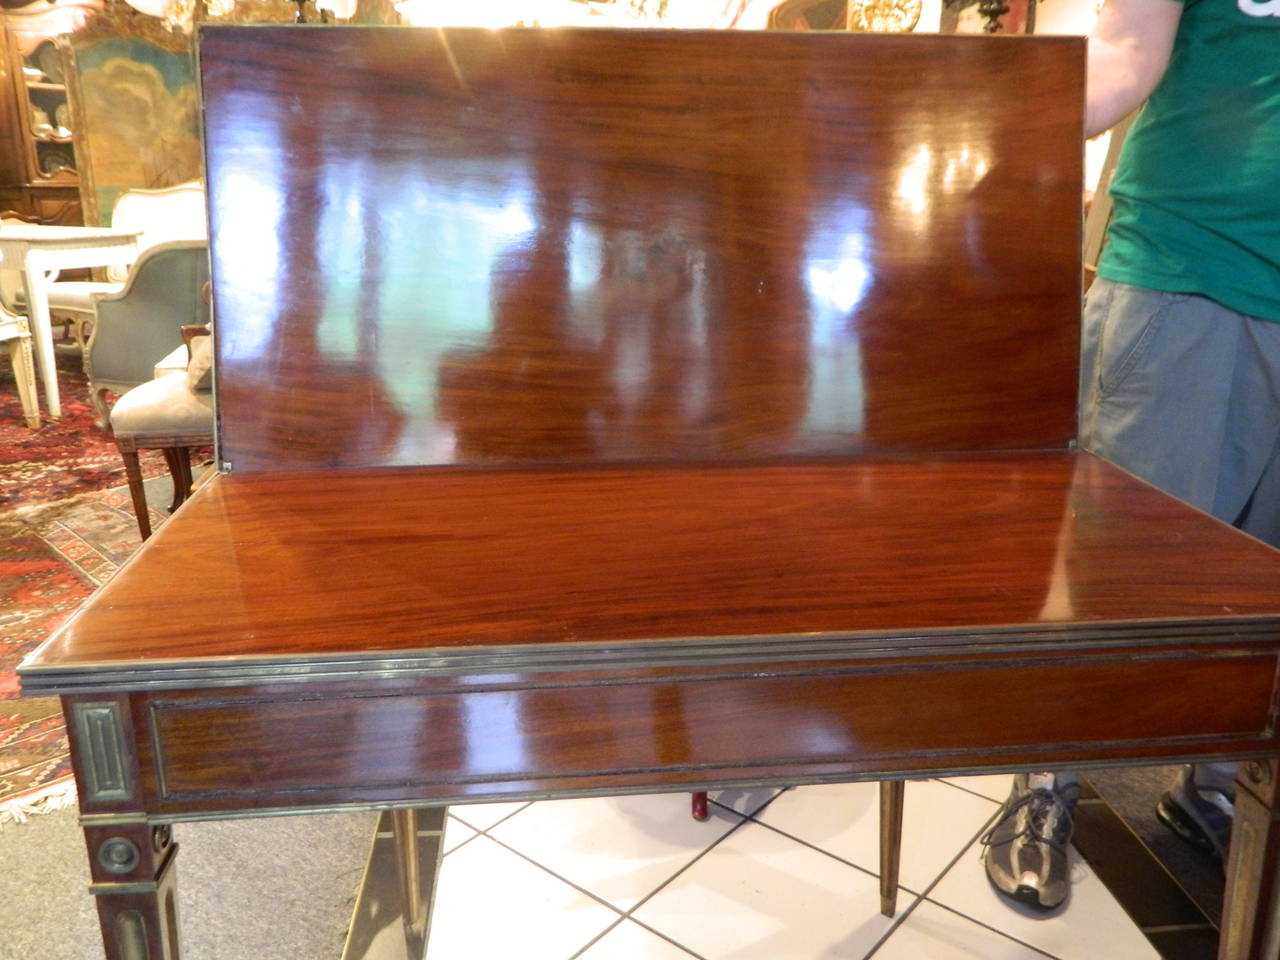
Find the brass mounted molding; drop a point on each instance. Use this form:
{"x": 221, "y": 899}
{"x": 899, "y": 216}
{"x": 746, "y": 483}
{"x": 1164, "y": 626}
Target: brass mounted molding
{"x": 99, "y": 732}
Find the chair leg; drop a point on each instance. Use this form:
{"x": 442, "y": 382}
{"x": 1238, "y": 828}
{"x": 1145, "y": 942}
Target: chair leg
{"x": 24, "y": 373}
{"x": 891, "y": 795}
{"x": 179, "y": 461}
{"x": 101, "y": 413}
{"x": 699, "y": 805}
{"x": 133, "y": 470}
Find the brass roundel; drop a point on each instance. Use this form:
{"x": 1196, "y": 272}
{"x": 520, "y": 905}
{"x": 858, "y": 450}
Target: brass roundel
{"x": 883, "y": 16}
{"x": 118, "y": 855}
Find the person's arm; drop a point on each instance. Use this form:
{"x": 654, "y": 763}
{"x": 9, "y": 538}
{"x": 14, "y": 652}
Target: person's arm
{"x": 1128, "y": 53}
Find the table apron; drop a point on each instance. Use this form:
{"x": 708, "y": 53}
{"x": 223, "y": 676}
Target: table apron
{"x": 456, "y": 739}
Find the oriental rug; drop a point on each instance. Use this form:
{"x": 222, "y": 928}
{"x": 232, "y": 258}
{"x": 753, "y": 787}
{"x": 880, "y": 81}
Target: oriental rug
{"x": 66, "y": 524}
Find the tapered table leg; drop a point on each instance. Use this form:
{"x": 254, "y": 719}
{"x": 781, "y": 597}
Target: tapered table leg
{"x": 398, "y": 887}
{"x": 1250, "y": 924}
{"x": 132, "y": 866}
{"x": 891, "y": 797}
{"x": 131, "y": 857}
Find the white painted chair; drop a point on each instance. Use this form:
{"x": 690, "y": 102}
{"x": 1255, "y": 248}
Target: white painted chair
{"x": 15, "y": 333}
{"x": 17, "y": 339}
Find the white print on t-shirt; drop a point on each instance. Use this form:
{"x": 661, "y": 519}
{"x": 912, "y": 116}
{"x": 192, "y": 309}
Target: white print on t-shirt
{"x": 1260, "y": 8}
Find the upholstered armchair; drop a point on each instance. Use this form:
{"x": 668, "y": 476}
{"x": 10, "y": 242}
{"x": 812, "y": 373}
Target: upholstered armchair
{"x": 172, "y": 412}
{"x": 160, "y": 216}
{"x": 142, "y": 323}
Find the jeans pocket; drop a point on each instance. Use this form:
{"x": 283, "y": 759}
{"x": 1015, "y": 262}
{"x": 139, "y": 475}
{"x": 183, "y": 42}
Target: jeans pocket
{"x": 1130, "y": 328}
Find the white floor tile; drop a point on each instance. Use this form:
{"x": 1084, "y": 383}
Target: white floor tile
{"x": 456, "y": 833}
{"x": 492, "y": 903}
{"x": 993, "y": 786}
{"x": 1090, "y": 925}
{"x": 482, "y": 816}
{"x": 938, "y": 822}
{"x": 619, "y": 848}
{"x": 745, "y": 801}
{"x": 761, "y": 896}
{"x": 932, "y": 933}
{"x": 630, "y": 941}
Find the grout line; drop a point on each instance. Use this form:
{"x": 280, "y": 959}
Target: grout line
{"x": 545, "y": 869}
{"x": 828, "y": 853}
{"x": 597, "y": 938}
{"x": 986, "y": 926}
{"x": 972, "y": 793}
{"x": 658, "y": 933}
{"x": 462, "y": 819}
{"x": 742, "y": 822}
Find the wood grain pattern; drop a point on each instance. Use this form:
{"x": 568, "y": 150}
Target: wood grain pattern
{"x": 538, "y": 734}
{"x": 470, "y": 559}
{"x": 472, "y": 246}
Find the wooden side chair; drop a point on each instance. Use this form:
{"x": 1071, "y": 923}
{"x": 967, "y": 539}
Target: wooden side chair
{"x": 173, "y": 413}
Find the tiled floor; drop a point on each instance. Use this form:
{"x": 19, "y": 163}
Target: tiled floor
{"x": 771, "y": 876}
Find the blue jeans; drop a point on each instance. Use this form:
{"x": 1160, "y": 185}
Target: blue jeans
{"x": 1185, "y": 393}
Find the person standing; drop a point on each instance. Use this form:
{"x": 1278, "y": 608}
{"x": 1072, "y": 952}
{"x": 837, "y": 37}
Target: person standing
{"x": 1180, "y": 361}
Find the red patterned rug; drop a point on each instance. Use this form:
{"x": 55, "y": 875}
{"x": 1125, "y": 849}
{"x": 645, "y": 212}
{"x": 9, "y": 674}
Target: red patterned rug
{"x": 67, "y": 523}
{"x": 63, "y": 457}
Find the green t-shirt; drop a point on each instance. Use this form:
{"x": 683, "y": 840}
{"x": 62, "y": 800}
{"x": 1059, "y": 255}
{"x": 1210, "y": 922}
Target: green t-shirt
{"x": 1197, "y": 192}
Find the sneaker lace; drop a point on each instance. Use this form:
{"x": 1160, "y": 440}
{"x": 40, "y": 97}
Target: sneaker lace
{"x": 1049, "y": 817}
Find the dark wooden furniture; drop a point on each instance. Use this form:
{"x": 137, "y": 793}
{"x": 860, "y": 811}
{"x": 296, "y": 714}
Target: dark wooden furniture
{"x": 37, "y": 149}
{"x": 607, "y": 412}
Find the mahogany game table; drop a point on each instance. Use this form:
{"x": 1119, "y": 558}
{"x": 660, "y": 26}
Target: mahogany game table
{"x": 620, "y": 411}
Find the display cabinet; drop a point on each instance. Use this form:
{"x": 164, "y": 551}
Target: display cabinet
{"x": 38, "y": 173}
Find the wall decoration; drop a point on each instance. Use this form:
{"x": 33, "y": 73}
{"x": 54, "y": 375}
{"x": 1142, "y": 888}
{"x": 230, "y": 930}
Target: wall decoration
{"x": 136, "y": 103}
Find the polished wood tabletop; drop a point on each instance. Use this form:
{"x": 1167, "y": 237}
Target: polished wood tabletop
{"x": 475, "y": 246}
{"x": 546, "y": 565}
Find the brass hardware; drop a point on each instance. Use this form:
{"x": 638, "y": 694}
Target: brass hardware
{"x": 160, "y": 837}
{"x": 1259, "y": 773}
{"x": 119, "y": 855}
{"x": 99, "y": 729}
{"x": 131, "y": 936}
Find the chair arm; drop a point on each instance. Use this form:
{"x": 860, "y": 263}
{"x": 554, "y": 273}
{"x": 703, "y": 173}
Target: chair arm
{"x": 141, "y": 324}
{"x": 139, "y": 266}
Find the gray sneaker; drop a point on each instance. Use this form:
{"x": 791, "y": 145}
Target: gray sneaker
{"x": 1200, "y": 812}
{"x": 1026, "y": 851}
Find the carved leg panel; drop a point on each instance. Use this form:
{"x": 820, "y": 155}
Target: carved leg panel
{"x": 1250, "y": 920}
{"x": 133, "y": 879}
{"x": 131, "y": 860}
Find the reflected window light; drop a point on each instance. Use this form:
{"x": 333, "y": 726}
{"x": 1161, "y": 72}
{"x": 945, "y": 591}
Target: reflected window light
{"x": 511, "y": 221}
{"x": 840, "y": 283}
{"x": 495, "y": 736}
{"x": 913, "y": 181}
{"x": 836, "y": 396}
{"x": 249, "y": 254}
